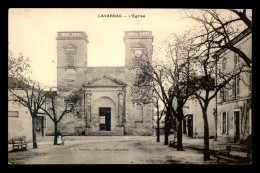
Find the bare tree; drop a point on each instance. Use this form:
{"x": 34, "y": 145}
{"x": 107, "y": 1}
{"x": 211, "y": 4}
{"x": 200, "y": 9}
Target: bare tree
{"x": 207, "y": 59}
{"x": 32, "y": 96}
{"x": 23, "y": 90}
{"x": 172, "y": 78}
{"x": 151, "y": 77}
{"x": 225, "y": 26}
{"x": 60, "y": 104}
{"x": 147, "y": 93}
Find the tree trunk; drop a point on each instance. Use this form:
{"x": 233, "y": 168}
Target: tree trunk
{"x": 166, "y": 135}
{"x": 158, "y": 129}
{"x": 179, "y": 134}
{"x": 216, "y": 128}
{"x": 55, "y": 133}
{"x": 166, "y": 130}
{"x": 206, "y": 154}
{"x": 34, "y": 132}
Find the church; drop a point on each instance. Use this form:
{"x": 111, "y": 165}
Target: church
{"x": 109, "y": 106}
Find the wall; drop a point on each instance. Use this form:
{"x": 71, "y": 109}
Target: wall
{"x": 193, "y": 107}
{"x": 236, "y": 104}
{"x": 136, "y": 40}
{"x": 21, "y": 125}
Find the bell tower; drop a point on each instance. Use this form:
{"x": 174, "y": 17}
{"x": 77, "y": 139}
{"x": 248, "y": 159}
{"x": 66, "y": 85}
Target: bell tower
{"x": 71, "y": 59}
{"x": 138, "y": 44}
{"x": 138, "y": 47}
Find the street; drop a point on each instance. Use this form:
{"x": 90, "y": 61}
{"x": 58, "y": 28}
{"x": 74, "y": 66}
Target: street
{"x": 111, "y": 150}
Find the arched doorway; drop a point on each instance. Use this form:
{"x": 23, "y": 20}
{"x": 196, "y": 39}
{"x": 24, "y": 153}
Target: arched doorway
{"x": 104, "y": 111}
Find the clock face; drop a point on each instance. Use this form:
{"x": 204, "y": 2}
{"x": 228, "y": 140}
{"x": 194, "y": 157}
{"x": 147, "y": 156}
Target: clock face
{"x": 138, "y": 53}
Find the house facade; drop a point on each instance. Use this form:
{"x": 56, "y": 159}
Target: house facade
{"x": 234, "y": 101}
{"x": 193, "y": 124}
{"x": 109, "y": 106}
{"x": 20, "y": 121}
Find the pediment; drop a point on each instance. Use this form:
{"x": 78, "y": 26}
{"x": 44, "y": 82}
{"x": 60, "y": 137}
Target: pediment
{"x": 70, "y": 46}
{"x": 106, "y": 81}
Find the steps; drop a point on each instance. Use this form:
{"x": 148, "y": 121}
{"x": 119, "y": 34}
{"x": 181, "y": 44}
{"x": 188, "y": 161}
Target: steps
{"x": 119, "y": 131}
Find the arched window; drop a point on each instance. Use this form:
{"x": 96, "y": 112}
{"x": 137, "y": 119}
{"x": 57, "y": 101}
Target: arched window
{"x": 70, "y": 51}
{"x": 70, "y": 57}
{"x": 139, "y": 113}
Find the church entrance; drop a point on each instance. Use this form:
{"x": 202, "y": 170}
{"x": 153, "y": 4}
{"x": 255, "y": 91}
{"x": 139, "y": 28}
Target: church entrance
{"x": 105, "y": 119}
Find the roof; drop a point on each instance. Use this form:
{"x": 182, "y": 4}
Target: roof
{"x": 16, "y": 83}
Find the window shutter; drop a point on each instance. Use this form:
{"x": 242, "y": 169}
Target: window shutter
{"x": 221, "y": 94}
{"x": 70, "y": 60}
{"x": 221, "y": 123}
{"x": 233, "y": 88}
{"x": 226, "y": 94}
{"x": 238, "y": 85}
{"x": 235, "y": 60}
{"x": 227, "y": 123}
{"x": 224, "y": 61}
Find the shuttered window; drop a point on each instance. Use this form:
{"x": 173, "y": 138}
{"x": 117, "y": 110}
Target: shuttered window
{"x": 236, "y": 59}
{"x": 70, "y": 60}
{"x": 139, "y": 113}
{"x": 224, "y": 94}
{"x": 233, "y": 89}
{"x": 221, "y": 94}
{"x": 224, "y": 121}
{"x": 224, "y": 64}
{"x": 236, "y": 87}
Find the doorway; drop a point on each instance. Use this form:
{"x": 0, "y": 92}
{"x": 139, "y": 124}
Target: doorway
{"x": 190, "y": 125}
{"x": 236, "y": 126}
{"x": 105, "y": 119}
{"x": 40, "y": 126}
{"x": 184, "y": 126}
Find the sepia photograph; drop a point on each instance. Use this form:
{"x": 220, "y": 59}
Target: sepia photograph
{"x": 129, "y": 86}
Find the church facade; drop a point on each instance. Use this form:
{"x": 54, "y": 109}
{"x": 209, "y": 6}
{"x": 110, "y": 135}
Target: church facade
{"x": 108, "y": 105}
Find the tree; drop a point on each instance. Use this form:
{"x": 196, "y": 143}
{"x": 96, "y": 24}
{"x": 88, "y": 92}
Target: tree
{"x": 208, "y": 59}
{"x": 159, "y": 116}
{"x": 60, "y": 104}
{"x": 18, "y": 69}
{"x": 32, "y": 96}
{"x": 150, "y": 78}
{"x": 23, "y": 90}
{"x": 146, "y": 93}
{"x": 225, "y": 26}
{"x": 172, "y": 77}
{"x": 180, "y": 75}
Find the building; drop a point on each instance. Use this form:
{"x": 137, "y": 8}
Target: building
{"x": 20, "y": 120}
{"x": 108, "y": 106}
{"x": 193, "y": 124}
{"x": 234, "y": 101}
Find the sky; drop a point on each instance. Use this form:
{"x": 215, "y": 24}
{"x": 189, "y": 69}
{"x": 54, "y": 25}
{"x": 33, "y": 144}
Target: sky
{"x": 33, "y": 33}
